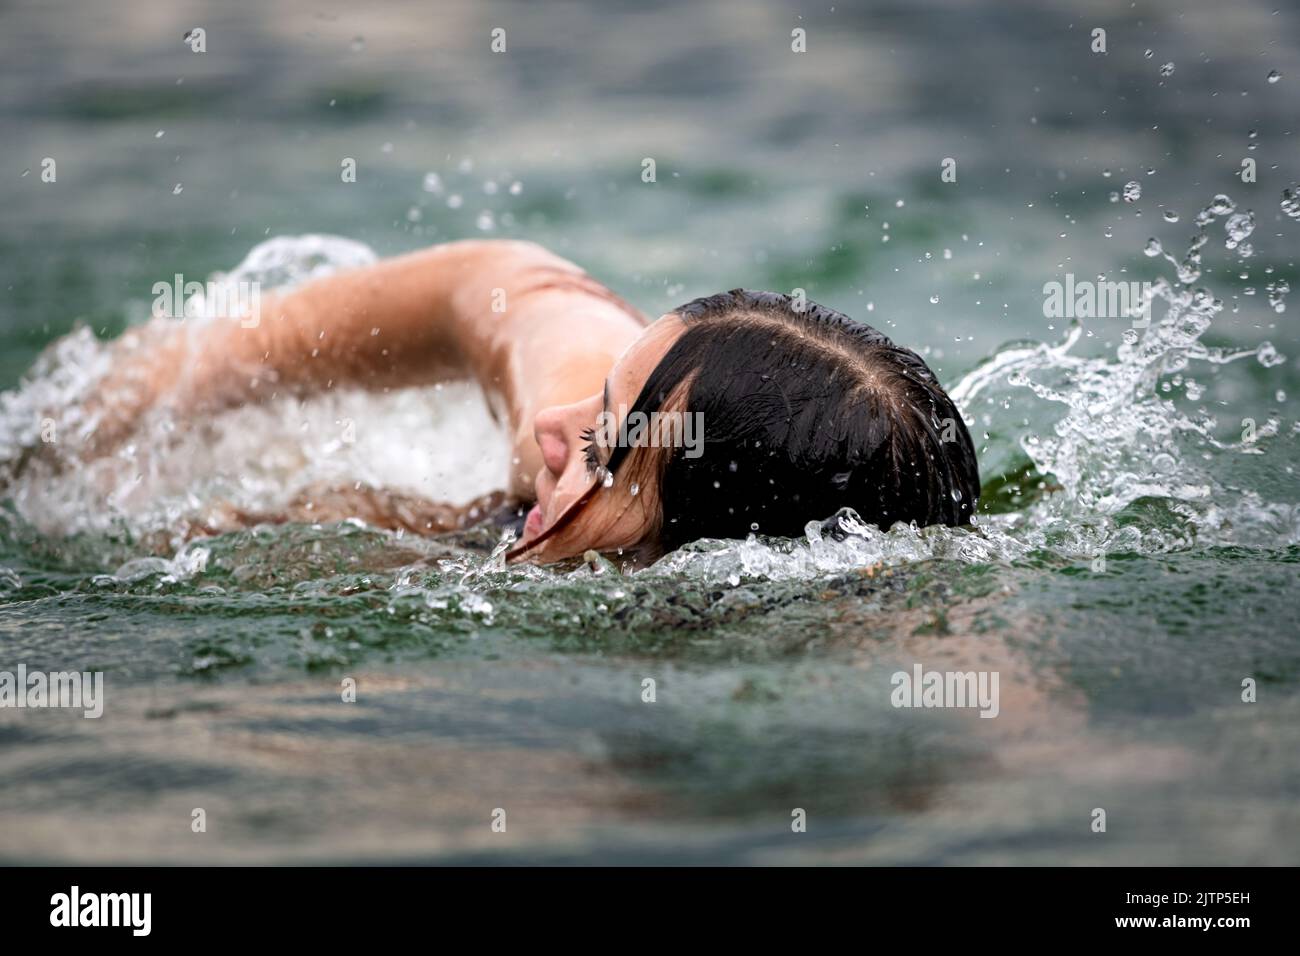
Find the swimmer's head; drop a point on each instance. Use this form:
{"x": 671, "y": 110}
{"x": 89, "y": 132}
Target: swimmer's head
{"x": 748, "y": 412}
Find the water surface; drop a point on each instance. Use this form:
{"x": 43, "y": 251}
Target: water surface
{"x": 1135, "y": 559}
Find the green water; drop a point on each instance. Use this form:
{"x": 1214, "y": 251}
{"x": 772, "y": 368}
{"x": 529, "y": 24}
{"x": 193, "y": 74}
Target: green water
{"x": 480, "y": 687}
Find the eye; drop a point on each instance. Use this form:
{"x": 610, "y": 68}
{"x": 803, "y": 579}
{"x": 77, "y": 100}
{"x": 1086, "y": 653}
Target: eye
{"x": 594, "y": 467}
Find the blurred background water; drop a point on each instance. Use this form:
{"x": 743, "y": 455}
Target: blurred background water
{"x": 481, "y": 688}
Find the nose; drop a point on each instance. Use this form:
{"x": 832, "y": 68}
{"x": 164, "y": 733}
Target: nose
{"x": 548, "y": 429}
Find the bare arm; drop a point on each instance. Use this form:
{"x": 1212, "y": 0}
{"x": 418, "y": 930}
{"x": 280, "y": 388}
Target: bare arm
{"x": 530, "y": 327}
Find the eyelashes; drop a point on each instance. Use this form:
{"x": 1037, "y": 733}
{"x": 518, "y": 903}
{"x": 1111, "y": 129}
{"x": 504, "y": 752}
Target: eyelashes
{"x": 594, "y": 467}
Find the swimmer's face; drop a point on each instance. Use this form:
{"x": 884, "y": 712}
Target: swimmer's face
{"x": 574, "y": 443}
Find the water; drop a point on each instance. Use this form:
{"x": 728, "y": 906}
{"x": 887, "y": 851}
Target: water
{"x": 1135, "y": 556}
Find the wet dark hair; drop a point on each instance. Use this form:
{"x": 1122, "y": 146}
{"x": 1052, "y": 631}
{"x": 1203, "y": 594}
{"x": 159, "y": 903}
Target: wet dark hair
{"x": 805, "y": 411}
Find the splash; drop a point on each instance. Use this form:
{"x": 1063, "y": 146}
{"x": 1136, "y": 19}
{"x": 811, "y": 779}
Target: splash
{"x": 1082, "y": 454}
{"x": 1114, "y": 431}
{"x": 438, "y": 442}
{"x": 1088, "y": 455}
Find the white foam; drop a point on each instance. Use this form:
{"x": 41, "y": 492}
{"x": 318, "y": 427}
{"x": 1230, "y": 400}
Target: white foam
{"x": 439, "y": 442}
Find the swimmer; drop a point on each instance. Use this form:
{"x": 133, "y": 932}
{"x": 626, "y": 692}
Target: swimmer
{"x": 750, "y": 411}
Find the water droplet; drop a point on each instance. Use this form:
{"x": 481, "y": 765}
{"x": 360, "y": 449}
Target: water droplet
{"x": 432, "y": 183}
{"x": 1221, "y": 205}
{"x": 1239, "y": 226}
{"x": 1171, "y": 216}
{"x": 1269, "y": 356}
{"x": 635, "y": 489}
{"x": 176, "y": 190}
{"x": 608, "y": 481}
{"x": 1291, "y": 201}
{"x": 1167, "y": 69}
{"x": 1274, "y": 76}
{"x": 485, "y": 222}
{"x": 1132, "y": 191}
{"x": 934, "y": 300}
{"x": 1153, "y": 247}
{"x": 1277, "y": 293}
{"x": 454, "y": 201}
{"x": 1149, "y": 54}
{"x": 516, "y": 188}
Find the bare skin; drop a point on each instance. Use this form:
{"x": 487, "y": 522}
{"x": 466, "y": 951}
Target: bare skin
{"x": 547, "y": 344}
